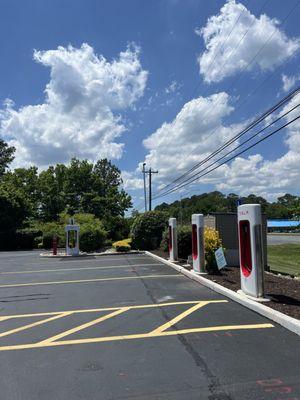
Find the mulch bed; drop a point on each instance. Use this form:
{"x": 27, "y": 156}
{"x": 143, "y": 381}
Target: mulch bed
{"x": 284, "y": 291}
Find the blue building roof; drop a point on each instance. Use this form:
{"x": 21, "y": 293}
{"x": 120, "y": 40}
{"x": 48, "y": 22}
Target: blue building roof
{"x": 282, "y": 223}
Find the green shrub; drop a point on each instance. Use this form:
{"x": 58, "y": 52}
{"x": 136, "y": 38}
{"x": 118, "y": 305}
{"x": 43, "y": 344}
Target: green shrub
{"x": 164, "y": 244}
{"x": 108, "y": 243}
{"x": 26, "y": 238}
{"x": 47, "y": 240}
{"x": 38, "y": 242}
{"x": 184, "y": 239}
{"x": 92, "y": 239}
{"x": 117, "y": 227}
{"x": 123, "y": 248}
{"x": 92, "y": 234}
{"x": 147, "y": 230}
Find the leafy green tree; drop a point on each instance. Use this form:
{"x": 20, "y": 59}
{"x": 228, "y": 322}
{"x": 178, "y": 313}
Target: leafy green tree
{"x": 78, "y": 186}
{"x": 292, "y": 203}
{"x": 14, "y": 207}
{"x": 253, "y": 199}
{"x": 25, "y": 180}
{"x": 110, "y": 199}
{"x": 51, "y": 192}
{"x": 6, "y": 156}
{"x": 278, "y": 211}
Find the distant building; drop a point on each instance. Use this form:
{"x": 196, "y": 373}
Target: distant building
{"x": 282, "y": 225}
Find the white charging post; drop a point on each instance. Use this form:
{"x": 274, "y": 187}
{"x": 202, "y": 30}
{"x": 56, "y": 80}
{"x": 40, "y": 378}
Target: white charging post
{"x": 173, "y": 247}
{"x": 72, "y": 239}
{"x": 251, "y": 250}
{"x": 198, "y": 243}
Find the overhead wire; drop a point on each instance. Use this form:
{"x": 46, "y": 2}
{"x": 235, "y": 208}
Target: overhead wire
{"x": 191, "y": 180}
{"x": 245, "y": 130}
{"x": 250, "y": 147}
{"x": 235, "y": 81}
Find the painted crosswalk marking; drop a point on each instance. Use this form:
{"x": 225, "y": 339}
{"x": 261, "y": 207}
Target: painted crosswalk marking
{"x": 166, "y": 329}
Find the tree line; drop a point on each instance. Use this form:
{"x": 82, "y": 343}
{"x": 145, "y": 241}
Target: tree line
{"x": 286, "y": 207}
{"x": 29, "y": 197}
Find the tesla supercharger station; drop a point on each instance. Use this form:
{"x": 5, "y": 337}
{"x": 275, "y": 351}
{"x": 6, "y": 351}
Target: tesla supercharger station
{"x": 251, "y": 250}
{"x": 173, "y": 248}
{"x": 198, "y": 243}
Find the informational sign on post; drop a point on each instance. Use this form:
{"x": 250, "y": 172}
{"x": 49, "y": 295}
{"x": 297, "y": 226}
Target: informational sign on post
{"x": 220, "y": 258}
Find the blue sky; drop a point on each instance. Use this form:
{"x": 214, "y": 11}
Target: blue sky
{"x": 165, "y": 95}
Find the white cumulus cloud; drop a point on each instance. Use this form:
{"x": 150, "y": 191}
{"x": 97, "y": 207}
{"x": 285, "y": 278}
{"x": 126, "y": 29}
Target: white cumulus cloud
{"x": 289, "y": 81}
{"x": 199, "y": 125}
{"x": 132, "y": 181}
{"x": 199, "y": 129}
{"x": 81, "y": 112}
{"x": 268, "y": 177}
{"x": 234, "y": 37}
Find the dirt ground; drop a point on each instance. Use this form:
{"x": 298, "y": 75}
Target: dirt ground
{"x": 284, "y": 291}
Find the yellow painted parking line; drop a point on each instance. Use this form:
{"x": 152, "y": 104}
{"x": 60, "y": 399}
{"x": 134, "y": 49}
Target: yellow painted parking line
{"x": 24, "y": 327}
{"x": 74, "y": 269}
{"x": 91, "y": 310}
{"x": 136, "y": 336}
{"x": 92, "y": 280}
{"x": 179, "y": 317}
{"x": 5, "y": 318}
{"x": 113, "y": 312}
{"x": 86, "y": 325}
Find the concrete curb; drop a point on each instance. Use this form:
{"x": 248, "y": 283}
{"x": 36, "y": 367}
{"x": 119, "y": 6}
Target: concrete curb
{"x": 115, "y": 253}
{"x": 292, "y": 324}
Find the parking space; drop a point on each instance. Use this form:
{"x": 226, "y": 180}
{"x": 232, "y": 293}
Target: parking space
{"x": 129, "y": 327}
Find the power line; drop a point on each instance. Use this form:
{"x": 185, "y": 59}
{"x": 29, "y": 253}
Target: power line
{"x": 231, "y": 158}
{"x": 190, "y": 179}
{"x": 234, "y": 138}
{"x": 240, "y": 74}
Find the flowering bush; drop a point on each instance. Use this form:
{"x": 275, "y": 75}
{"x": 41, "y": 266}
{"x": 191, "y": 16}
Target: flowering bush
{"x": 123, "y": 245}
{"x": 212, "y": 243}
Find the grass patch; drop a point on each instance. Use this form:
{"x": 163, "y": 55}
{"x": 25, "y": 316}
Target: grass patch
{"x": 284, "y": 258}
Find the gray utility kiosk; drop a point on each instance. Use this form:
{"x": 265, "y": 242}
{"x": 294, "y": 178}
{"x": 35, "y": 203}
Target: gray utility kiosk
{"x": 72, "y": 239}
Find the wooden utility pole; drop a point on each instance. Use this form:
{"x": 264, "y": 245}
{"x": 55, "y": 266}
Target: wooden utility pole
{"x": 144, "y": 177}
{"x": 150, "y": 172}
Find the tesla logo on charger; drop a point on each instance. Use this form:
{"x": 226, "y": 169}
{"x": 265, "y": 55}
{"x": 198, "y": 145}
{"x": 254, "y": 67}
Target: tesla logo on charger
{"x": 243, "y": 212}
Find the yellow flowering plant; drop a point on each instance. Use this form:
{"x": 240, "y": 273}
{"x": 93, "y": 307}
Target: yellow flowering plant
{"x": 122, "y": 245}
{"x": 212, "y": 243}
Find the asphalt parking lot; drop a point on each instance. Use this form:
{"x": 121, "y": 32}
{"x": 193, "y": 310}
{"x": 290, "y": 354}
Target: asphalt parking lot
{"x": 128, "y": 327}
